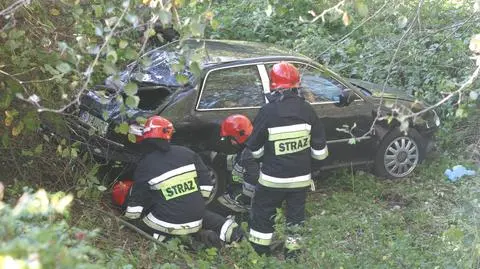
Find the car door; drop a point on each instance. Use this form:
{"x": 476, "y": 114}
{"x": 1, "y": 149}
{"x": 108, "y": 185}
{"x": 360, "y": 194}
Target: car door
{"x": 226, "y": 91}
{"x": 342, "y": 124}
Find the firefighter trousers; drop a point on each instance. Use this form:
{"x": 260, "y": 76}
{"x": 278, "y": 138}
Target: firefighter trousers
{"x": 225, "y": 228}
{"x": 265, "y": 202}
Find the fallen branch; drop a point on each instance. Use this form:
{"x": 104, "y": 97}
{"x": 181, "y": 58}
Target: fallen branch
{"x": 464, "y": 86}
{"x": 136, "y": 229}
{"x": 13, "y": 7}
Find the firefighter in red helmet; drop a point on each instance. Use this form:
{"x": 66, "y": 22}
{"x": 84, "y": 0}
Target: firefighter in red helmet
{"x": 287, "y": 133}
{"x": 171, "y": 184}
{"x": 242, "y": 167}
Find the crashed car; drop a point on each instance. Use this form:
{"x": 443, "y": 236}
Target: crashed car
{"x": 232, "y": 77}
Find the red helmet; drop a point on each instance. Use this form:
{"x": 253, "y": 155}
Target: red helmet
{"x": 236, "y": 126}
{"x": 120, "y": 191}
{"x": 158, "y": 127}
{"x": 284, "y": 75}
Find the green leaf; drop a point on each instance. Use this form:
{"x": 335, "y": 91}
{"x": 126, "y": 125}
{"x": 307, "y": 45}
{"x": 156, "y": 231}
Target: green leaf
{"x": 98, "y": 11}
{"x": 15, "y": 34}
{"x": 214, "y": 23}
{"x": 141, "y": 120}
{"x": 402, "y": 22}
{"x": 132, "y": 138}
{"x": 131, "y": 89}
{"x": 473, "y": 95}
{"x": 101, "y": 188}
{"x": 5, "y": 140}
{"x": 112, "y": 56}
{"x": 269, "y": 10}
{"x": 362, "y": 8}
{"x": 165, "y": 16}
{"x": 63, "y": 67}
{"x": 181, "y": 79}
{"x": 99, "y": 31}
{"x": 132, "y": 101}
{"x": 195, "y": 69}
{"x": 389, "y": 120}
{"x": 123, "y": 44}
{"x": 131, "y": 54}
{"x": 74, "y": 153}
{"x": 149, "y": 33}
{"x": 65, "y": 153}
{"x": 31, "y": 121}
{"x": 105, "y": 115}
{"x": 18, "y": 129}
{"x": 51, "y": 70}
{"x": 132, "y": 18}
{"x": 460, "y": 113}
{"x": 5, "y": 99}
{"x": 27, "y": 153}
{"x": 178, "y": 67}
{"x": 122, "y": 128}
{"x": 197, "y": 28}
{"x": 352, "y": 141}
{"x": 109, "y": 68}
{"x": 38, "y": 149}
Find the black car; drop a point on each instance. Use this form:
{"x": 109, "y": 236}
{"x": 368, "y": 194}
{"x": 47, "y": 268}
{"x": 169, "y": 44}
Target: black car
{"x": 233, "y": 78}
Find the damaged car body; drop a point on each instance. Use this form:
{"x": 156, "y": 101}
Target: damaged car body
{"x": 233, "y": 79}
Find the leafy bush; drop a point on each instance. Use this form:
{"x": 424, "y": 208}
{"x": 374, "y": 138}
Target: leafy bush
{"x": 35, "y": 234}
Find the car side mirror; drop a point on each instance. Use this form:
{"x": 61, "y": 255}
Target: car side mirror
{"x": 343, "y": 99}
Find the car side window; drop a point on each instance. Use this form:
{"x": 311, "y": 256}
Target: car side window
{"x": 317, "y": 87}
{"x": 234, "y": 87}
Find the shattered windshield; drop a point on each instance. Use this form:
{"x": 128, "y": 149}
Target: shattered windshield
{"x": 162, "y": 67}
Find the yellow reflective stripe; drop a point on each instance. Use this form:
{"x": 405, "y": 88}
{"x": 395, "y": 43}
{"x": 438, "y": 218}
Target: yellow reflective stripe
{"x": 293, "y": 145}
{"x": 287, "y": 185}
{"x": 167, "y": 175}
{"x": 206, "y": 191}
{"x": 292, "y": 182}
{"x": 320, "y": 154}
{"x": 258, "y": 153}
{"x": 288, "y": 135}
{"x": 264, "y": 239}
{"x": 172, "y": 228}
{"x": 227, "y": 229}
{"x": 133, "y": 212}
{"x": 132, "y": 215}
{"x": 178, "y": 185}
{"x": 290, "y": 128}
{"x": 205, "y": 194}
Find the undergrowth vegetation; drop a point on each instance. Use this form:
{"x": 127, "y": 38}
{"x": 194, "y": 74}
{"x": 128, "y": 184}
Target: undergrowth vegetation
{"x": 354, "y": 219}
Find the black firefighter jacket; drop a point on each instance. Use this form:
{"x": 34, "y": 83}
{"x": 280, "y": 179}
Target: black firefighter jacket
{"x": 170, "y": 184}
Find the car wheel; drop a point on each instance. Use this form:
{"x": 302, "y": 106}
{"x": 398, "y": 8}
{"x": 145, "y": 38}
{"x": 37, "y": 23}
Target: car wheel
{"x": 399, "y": 154}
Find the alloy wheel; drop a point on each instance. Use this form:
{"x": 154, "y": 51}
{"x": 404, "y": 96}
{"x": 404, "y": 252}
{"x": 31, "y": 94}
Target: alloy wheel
{"x": 401, "y": 156}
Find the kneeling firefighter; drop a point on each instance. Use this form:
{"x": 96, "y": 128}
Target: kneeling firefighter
{"x": 171, "y": 183}
{"x": 243, "y": 167}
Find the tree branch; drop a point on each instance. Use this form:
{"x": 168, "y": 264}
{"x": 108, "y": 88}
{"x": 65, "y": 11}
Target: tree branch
{"x": 464, "y": 86}
{"x": 88, "y": 72}
{"x": 356, "y": 28}
{"x": 13, "y": 7}
{"x": 328, "y": 10}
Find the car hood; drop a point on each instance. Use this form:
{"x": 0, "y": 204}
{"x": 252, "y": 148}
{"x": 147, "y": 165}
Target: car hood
{"x": 376, "y": 90}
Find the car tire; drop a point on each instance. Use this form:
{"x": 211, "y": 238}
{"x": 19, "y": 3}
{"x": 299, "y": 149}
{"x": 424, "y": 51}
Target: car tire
{"x": 218, "y": 173}
{"x": 398, "y": 154}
